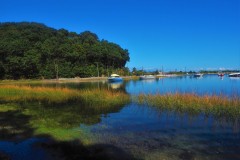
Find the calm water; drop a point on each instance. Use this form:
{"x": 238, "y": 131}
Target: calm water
{"x": 209, "y": 84}
{"x": 149, "y": 133}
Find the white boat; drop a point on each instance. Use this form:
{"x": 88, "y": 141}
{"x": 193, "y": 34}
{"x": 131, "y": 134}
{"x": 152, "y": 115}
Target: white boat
{"x": 115, "y": 78}
{"x": 198, "y": 75}
{"x": 146, "y": 77}
{"x": 234, "y": 75}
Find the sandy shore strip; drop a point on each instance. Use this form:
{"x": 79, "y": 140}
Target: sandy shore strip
{"x": 65, "y": 80}
{"x": 89, "y": 79}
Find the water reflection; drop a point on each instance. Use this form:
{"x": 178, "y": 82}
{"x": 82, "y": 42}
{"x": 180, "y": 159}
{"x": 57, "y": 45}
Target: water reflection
{"x": 71, "y": 115}
{"x": 149, "y": 132}
{"x": 115, "y": 85}
{"x": 21, "y": 122}
{"x": 65, "y": 116}
{"x": 208, "y": 84}
{"x": 149, "y": 80}
{"x": 235, "y": 78}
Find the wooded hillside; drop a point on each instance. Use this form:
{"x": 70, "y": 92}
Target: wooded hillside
{"x": 33, "y": 50}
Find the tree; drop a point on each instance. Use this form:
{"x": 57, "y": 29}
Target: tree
{"x": 134, "y": 70}
{"x": 33, "y": 50}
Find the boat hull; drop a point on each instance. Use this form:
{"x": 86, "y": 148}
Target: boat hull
{"x": 234, "y": 75}
{"x": 147, "y": 77}
{"x": 118, "y": 79}
{"x": 198, "y": 75}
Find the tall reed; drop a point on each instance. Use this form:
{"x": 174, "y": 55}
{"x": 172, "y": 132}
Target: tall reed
{"x": 192, "y": 103}
{"x": 16, "y": 93}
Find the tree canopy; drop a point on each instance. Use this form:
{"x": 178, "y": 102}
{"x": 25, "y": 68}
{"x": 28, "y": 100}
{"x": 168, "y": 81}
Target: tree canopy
{"x": 33, "y": 50}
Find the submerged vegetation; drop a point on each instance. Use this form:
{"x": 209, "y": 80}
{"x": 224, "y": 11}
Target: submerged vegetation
{"x": 192, "y": 103}
{"x": 24, "y": 120}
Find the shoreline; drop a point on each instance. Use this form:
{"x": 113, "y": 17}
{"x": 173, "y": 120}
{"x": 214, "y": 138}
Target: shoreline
{"x": 65, "y": 80}
{"x": 78, "y": 79}
{"x": 88, "y": 79}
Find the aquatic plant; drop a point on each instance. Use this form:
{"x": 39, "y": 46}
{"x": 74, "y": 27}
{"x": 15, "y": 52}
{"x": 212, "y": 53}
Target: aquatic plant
{"x": 192, "y": 103}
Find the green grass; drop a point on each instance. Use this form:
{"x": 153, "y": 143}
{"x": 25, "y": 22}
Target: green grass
{"x": 192, "y": 103}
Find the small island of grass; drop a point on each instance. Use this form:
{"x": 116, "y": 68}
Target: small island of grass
{"x": 220, "y": 106}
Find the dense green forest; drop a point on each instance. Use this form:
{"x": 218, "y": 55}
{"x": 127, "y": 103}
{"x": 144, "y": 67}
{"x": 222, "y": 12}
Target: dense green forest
{"x": 33, "y": 50}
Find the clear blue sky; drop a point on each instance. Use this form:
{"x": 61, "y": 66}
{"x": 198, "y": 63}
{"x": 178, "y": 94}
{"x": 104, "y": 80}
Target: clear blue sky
{"x": 196, "y": 34}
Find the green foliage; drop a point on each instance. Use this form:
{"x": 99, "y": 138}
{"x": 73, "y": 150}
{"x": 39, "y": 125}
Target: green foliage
{"x": 33, "y": 50}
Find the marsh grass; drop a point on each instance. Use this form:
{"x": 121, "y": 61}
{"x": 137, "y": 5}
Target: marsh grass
{"x": 193, "y": 104}
{"x": 20, "y": 93}
{"x": 15, "y": 93}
